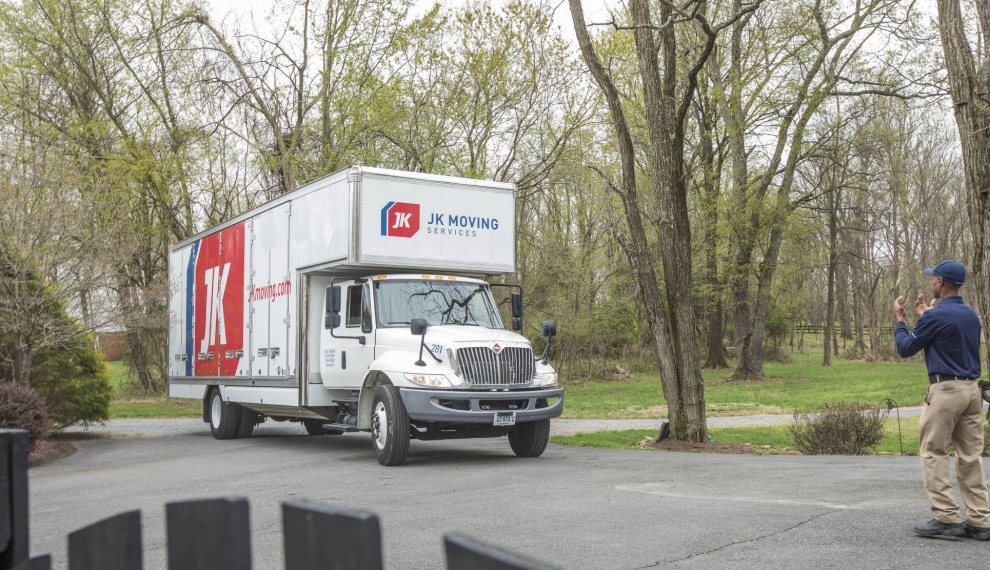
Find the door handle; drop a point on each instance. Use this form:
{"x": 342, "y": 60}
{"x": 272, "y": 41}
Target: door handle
{"x": 343, "y": 360}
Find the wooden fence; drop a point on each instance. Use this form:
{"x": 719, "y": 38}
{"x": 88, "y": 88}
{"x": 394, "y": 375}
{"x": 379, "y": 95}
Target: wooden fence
{"x": 215, "y": 534}
{"x": 820, "y": 328}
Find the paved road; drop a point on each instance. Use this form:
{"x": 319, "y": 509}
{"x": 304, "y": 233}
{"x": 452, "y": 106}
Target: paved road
{"x": 582, "y": 508}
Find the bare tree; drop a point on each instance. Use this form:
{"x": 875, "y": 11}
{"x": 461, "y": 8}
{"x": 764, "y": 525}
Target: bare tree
{"x": 53, "y": 253}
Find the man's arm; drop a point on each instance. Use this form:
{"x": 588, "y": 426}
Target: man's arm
{"x": 909, "y": 343}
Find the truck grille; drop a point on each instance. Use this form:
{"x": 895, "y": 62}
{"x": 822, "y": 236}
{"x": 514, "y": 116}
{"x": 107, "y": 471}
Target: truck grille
{"x": 482, "y": 367}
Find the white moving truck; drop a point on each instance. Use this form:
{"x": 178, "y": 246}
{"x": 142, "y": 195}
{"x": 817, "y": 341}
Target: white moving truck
{"x": 359, "y": 303}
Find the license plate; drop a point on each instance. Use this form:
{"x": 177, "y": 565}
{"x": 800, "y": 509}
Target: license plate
{"x": 505, "y": 418}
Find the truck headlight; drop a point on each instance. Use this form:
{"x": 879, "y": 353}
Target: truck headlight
{"x": 545, "y": 379}
{"x": 429, "y": 380}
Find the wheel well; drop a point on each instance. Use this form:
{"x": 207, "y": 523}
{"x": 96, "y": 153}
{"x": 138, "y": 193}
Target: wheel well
{"x": 206, "y": 403}
{"x": 366, "y": 398}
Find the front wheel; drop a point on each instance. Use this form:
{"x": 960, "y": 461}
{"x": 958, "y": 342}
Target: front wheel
{"x": 530, "y": 439}
{"x": 389, "y": 426}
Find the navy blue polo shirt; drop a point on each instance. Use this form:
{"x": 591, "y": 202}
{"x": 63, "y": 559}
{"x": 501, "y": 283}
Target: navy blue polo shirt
{"x": 950, "y": 335}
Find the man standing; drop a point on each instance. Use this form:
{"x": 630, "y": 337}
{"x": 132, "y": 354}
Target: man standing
{"x": 950, "y": 335}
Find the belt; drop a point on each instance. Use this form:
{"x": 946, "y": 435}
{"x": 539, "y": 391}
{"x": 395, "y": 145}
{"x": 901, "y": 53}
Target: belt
{"x": 936, "y": 378}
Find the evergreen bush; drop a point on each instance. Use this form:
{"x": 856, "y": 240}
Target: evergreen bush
{"x": 75, "y": 385}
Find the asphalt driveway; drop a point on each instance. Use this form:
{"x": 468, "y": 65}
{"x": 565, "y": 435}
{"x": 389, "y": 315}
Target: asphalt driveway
{"x": 578, "y": 508}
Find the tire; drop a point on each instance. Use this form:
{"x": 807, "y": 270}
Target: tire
{"x": 389, "y": 426}
{"x": 530, "y": 439}
{"x": 245, "y": 425}
{"x": 224, "y": 417}
{"x": 317, "y": 427}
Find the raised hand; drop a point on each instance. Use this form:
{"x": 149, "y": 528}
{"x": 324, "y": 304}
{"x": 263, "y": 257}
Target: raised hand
{"x": 899, "y": 312}
{"x": 920, "y": 306}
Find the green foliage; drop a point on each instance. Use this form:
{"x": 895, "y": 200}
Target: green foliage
{"x": 778, "y": 329}
{"x": 75, "y": 384}
{"x": 843, "y": 428}
{"x": 22, "y": 408}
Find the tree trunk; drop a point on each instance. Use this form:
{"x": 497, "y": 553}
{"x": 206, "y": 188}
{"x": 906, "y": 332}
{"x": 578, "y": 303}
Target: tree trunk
{"x": 859, "y": 347}
{"x": 715, "y": 358}
{"x": 23, "y": 357}
{"x": 637, "y": 248}
{"x": 842, "y": 288}
{"x": 833, "y": 233}
{"x": 666, "y": 153}
{"x": 968, "y": 85}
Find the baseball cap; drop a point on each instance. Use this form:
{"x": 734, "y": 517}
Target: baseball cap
{"x": 950, "y": 270}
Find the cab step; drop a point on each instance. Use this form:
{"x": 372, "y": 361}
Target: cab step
{"x": 347, "y": 414}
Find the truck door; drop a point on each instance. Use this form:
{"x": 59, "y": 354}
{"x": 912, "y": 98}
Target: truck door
{"x": 270, "y": 293}
{"x": 345, "y": 360}
{"x": 358, "y": 321}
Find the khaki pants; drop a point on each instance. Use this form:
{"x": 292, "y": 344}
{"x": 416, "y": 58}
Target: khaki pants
{"x": 953, "y": 414}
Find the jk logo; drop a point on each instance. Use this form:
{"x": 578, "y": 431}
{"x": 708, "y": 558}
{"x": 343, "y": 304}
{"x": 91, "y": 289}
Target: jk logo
{"x": 216, "y": 284}
{"x": 400, "y": 219}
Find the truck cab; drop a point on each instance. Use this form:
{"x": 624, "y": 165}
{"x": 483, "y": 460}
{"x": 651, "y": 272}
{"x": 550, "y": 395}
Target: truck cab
{"x": 436, "y": 351}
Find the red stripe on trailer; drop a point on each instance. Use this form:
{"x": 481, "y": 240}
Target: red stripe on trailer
{"x": 219, "y": 302}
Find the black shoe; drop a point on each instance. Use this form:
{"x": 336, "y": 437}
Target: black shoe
{"x": 977, "y": 532}
{"x": 936, "y": 528}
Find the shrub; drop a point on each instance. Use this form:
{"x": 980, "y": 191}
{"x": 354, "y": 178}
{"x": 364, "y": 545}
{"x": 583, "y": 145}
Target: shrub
{"x": 986, "y": 439}
{"x": 777, "y": 331}
{"x": 22, "y": 408}
{"x": 844, "y": 428}
{"x": 75, "y": 385}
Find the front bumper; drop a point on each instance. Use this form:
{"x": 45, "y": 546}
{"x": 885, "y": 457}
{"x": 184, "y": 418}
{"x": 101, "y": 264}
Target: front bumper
{"x": 424, "y": 405}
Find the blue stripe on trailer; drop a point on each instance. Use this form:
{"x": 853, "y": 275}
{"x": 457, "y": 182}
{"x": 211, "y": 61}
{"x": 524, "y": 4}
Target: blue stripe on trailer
{"x": 190, "y": 306}
{"x": 385, "y": 218}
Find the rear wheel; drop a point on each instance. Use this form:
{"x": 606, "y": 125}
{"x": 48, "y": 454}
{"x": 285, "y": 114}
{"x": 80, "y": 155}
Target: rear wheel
{"x": 389, "y": 426}
{"x": 224, "y": 417}
{"x": 246, "y": 422}
{"x": 530, "y": 439}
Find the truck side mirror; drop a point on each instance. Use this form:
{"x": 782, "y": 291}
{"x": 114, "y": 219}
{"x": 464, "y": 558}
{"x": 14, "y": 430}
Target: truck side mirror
{"x": 517, "y": 307}
{"x": 548, "y": 328}
{"x": 332, "y": 303}
{"x": 517, "y": 324}
{"x": 418, "y": 326}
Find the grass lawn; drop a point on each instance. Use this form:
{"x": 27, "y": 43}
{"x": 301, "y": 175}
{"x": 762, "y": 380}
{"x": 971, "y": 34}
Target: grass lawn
{"x": 128, "y": 402}
{"x": 778, "y": 437}
{"x": 156, "y": 408}
{"x": 802, "y": 385}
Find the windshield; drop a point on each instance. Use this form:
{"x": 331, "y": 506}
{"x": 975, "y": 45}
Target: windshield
{"x": 439, "y": 302}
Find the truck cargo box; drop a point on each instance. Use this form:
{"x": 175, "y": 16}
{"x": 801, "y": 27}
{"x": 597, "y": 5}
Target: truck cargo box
{"x": 236, "y": 306}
